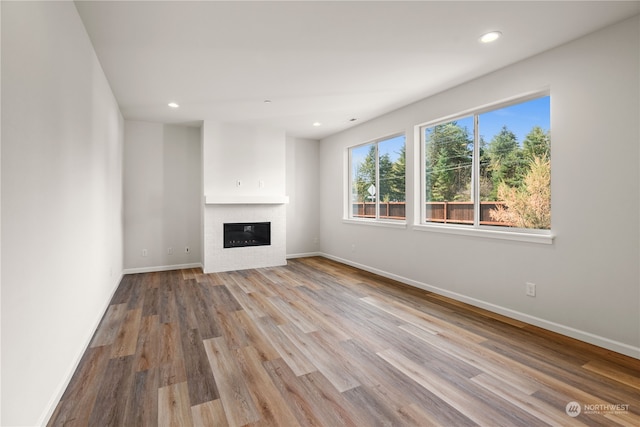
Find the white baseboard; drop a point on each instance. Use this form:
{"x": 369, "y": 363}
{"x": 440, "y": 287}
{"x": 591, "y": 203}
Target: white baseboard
{"x": 588, "y": 337}
{"x": 51, "y": 406}
{"x": 304, "y": 255}
{"x": 161, "y": 268}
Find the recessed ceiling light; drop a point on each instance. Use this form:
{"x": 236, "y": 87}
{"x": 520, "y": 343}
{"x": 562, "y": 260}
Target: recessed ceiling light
{"x": 173, "y": 105}
{"x": 267, "y": 101}
{"x": 316, "y": 124}
{"x": 490, "y": 36}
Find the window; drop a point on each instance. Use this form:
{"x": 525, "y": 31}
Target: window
{"x": 490, "y": 168}
{"x": 377, "y": 179}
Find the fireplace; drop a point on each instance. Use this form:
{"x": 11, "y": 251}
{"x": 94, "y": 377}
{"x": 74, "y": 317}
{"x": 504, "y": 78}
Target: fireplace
{"x": 241, "y": 234}
{"x": 217, "y": 258}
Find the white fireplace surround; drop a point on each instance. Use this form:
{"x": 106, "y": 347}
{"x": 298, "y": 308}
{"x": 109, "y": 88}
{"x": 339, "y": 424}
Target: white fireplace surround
{"x": 220, "y": 210}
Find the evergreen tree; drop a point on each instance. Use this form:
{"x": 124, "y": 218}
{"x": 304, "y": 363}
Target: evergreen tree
{"x": 385, "y": 166}
{"x": 397, "y": 177}
{"x": 536, "y": 144}
{"x": 506, "y": 160}
{"x": 448, "y": 162}
{"x": 365, "y": 175}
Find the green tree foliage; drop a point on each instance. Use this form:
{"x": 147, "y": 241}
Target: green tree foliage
{"x": 365, "y": 175}
{"x": 448, "y": 162}
{"x": 506, "y": 161}
{"x": 385, "y": 165}
{"x": 391, "y": 176}
{"x": 397, "y": 177}
{"x": 536, "y": 144}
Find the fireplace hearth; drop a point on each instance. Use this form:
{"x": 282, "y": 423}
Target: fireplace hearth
{"x": 242, "y": 234}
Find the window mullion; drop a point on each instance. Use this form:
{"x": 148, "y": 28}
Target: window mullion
{"x": 377, "y": 183}
{"x": 475, "y": 172}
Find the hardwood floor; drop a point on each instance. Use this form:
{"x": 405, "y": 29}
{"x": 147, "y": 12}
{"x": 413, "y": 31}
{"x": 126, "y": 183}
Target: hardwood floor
{"x": 317, "y": 343}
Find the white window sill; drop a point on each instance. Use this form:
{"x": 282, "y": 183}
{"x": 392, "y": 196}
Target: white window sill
{"x": 537, "y": 236}
{"x": 376, "y": 222}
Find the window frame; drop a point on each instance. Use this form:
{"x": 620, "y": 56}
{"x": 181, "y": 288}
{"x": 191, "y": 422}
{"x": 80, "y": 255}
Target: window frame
{"x": 348, "y": 216}
{"x": 476, "y": 229}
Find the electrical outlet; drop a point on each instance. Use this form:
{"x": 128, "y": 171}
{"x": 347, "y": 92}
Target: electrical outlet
{"x": 353, "y": 248}
{"x": 261, "y": 183}
{"x": 530, "y": 289}
{"x": 187, "y": 250}
{"x": 145, "y": 252}
{"x": 169, "y": 251}
{"x": 238, "y": 183}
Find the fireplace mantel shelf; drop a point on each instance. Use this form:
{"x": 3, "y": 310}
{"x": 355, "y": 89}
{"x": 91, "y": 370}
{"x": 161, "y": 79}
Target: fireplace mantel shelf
{"x": 246, "y": 200}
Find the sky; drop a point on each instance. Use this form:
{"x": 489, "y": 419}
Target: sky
{"x": 518, "y": 118}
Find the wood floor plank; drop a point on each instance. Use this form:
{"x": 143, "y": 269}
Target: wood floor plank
{"x": 459, "y": 399}
{"x": 321, "y": 318}
{"x": 151, "y": 302}
{"x": 414, "y": 415}
{"x": 137, "y": 293}
{"x": 289, "y": 386}
{"x": 262, "y": 302}
{"x": 323, "y": 359}
{"x": 255, "y": 337}
{"x": 147, "y": 352}
{"x": 273, "y": 409}
{"x": 296, "y": 359}
{"x": 187, "y": 304}
{"x": 172, "y": 372}
{"x": 174, "y": 408}
{"x": 319, "y": 343}
{"x": 200, "y": 381}
{"x": 114, "y": 392}
{"x": 428, "y": 323}
{"x": 127, "y": 339}
{"x": 236, "y": 399}
{"x": 392, "y": 385}
{"x": 619, "y": 374}
{"x": 168, "y": 309}
{"x": 209, "y": 414}
{"x": 310, "y": 399}
{"x": 233, "y": 333}
{"x": 142, "y": 406}
{"x": 223, "y": 300}
{"x": 479, "y": 357}
{"x": 571, "y": 383}
{"x": 369, "y": 409}
{"x": 293, "y": 315}
{"x": 170, "y": 344}
{"x": 110, "y": 325}
{"x": 79, "y": 398}
{"x": 248, "y": 304}
{"x": 526, "y": 402}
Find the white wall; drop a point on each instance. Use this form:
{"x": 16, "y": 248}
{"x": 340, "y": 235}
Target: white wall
{"x": 162, "y": 201}
{"x": 303, "y": 188}
{"x": 242, "y": 153}
{"x": 588, "y": 280}
{"x": 61, "y": 203}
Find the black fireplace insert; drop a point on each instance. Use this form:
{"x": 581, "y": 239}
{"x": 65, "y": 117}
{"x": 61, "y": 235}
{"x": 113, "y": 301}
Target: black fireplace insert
{"x": 241, "y": 234}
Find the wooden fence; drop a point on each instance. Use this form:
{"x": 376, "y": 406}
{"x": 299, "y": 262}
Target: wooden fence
{"x": 441, "y": 212}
